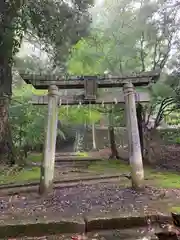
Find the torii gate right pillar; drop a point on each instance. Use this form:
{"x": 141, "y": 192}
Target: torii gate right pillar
{"x": 135, "y": 155}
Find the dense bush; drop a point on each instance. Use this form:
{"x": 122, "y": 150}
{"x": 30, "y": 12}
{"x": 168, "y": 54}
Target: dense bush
{"x": 27, "y": 121}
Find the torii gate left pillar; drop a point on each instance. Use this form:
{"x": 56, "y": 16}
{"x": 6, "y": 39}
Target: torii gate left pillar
{"x": 48, "y": 161}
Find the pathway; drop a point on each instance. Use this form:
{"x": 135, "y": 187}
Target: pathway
{"x": 82, "y": 200}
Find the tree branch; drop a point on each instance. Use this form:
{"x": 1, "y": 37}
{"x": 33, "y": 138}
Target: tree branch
{"x": 166, "y": 55}
{"x": 154, "y": 55}
{"x": 177, "y": 4}
{"x": 164, "y": 104}
{"x": 142, "y": 51}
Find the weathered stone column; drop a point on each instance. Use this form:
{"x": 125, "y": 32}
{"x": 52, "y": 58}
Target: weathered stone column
{"x": 48, "y": 161}
{"x": 135, "y": 156}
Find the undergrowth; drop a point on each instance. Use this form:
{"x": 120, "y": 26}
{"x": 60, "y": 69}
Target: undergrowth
{"x": 158, "y": 178}
{"x": 23, "y": 175}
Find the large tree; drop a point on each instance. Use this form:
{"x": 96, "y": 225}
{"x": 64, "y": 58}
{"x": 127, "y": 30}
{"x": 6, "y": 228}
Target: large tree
{"x": 58, "y": 24}
{"x": 131, "y": 36}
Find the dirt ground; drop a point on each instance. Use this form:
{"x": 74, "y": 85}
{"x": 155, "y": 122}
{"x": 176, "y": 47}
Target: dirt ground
{"x": 170, "y": 157}
{"x": 71, "y": 173}
{"x": 83, "y": 200}
{"x": 96, "y": 199}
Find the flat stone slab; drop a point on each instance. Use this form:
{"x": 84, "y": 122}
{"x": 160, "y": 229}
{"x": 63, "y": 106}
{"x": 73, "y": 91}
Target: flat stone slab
{"x": 65, "y": 182}
{"x": 76, "y": 159}
{"x": 93, "y": 228}
{"x": 119, "y": 221}
{"x": 118, "y": 234}
{"x": 41, "y": 227}
{"x": 138, "y": 233}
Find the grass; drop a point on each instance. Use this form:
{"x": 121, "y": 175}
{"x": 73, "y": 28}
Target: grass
{"x": 35, "y": 157}
{"x": 161, "y": 179}
{"x": 175, "y": 209}
{"x": 27, "y": 174}
{"x": 164, "y": 179}
{"x": 82, "y": 154}
{"x": 112, "y": 165}
{"x": 24, "y": 175}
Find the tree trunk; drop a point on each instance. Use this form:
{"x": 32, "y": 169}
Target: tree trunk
{"x": 114, "y": 152}
{"x": 94, "y": 136}
{"x": 140, "y": 126}
{"x": 79, "y": 141}
{"x": 8, "y": 12}
{"x": 6, "y": 144}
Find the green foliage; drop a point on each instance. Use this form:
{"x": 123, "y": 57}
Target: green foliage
{"x": 177, "y": 140}
{"x": 78, "y": 115}
{"x": 27, "y": 120}
{"x": 85, "y": 59}
{"x": 160, "y": 90}
{"x": 59, "y": 25}
{"x": 128, "y": 38}
{"x": 173, "y": 118}
{"x": 170, "y": 136}
{"x": 56, "y": 23}
{"x": 132, "y": 40}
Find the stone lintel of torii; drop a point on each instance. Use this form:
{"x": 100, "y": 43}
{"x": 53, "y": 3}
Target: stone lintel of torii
{"x": 108, "y": 98}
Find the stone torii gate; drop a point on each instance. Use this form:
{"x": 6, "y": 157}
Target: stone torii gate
{"x": 90, "y": 84}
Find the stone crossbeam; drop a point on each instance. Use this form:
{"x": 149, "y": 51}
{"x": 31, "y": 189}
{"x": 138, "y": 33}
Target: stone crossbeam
{"x": 77, "y": 99}
{"x": 77, "y": 82}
